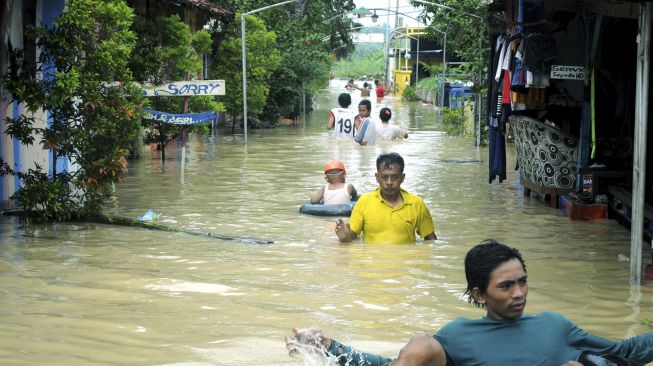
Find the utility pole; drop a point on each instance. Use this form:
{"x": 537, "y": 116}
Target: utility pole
{"x": 387, "y": 48}
{"x": 396, "y": 13}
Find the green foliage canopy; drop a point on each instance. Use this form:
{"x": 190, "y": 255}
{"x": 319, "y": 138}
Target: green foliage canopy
{"x": 466, "y": 24}
{"x": 166, "y": 51}
{"x": 368, "y": 62}
{"x": 263, "y": 58}
{"x": 308, "y": 35}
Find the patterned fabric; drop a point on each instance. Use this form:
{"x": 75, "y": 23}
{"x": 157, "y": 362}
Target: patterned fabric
{"x": 546, "y": 156}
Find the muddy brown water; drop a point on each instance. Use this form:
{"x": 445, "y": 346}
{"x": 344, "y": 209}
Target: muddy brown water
{"x": 89, "y": 294}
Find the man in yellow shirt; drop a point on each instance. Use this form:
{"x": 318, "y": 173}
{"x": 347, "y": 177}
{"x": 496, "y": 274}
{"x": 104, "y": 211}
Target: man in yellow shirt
{"x": 389, "y": 214}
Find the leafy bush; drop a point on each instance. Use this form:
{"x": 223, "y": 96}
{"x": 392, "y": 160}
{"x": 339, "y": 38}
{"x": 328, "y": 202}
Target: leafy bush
{"x": 409, "y": 94}
{"x": 94, "y": 109}
{"x": 453, "y": 121}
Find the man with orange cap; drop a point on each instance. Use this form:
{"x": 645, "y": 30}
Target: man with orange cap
{"x": 389, "y": 214}
{"x": 336, "y": 191}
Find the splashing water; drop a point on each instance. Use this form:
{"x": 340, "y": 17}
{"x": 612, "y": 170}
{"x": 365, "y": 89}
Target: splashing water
{"x": 313, "y": 356}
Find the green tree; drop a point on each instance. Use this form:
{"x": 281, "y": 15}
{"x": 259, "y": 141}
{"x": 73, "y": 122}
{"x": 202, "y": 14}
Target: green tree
{"x": 262, "y": 60}
{"x": 94, "y": 108}
{"x": 466, "y": 23}
{"x": 304, "y": 69}
{"x": 166, "y": 51}
{"x": 370, "y": 62}
{"x": 309, "y": 34}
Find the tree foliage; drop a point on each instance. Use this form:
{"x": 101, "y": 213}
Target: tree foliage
{"x": 263, "y": 59}
{"x": 466, "y": 25}
{"x": 165, "y": 52}
{"x": 361, "y": 64}
{"x": 86, "y": 88}
{"x": 308, "y": 35}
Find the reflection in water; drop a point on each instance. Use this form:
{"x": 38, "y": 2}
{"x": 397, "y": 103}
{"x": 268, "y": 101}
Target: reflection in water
{"x": 96, "y": 294}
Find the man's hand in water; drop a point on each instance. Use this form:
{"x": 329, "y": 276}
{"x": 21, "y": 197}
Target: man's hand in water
{"x": 306, "y": 337}
{"x": 344, "y": 232}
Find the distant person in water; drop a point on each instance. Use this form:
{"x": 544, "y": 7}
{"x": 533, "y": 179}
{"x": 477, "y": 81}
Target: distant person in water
{"x": 343, "y": 120}
{"x": 365, "y": 90}
{"x": 366, "y": 133}
{"x": 350, "y": 86}
{"x": 386, "y": 130}
{"x": 380, "y": 90}
{"x": 336, "y": 191}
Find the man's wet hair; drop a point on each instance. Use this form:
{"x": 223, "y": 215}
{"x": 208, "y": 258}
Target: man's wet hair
{"x": 481, "y": 260}
{"x": 367, "y": 104}
{"x": 344, "y": 100}
{"x": 389, "y": 160}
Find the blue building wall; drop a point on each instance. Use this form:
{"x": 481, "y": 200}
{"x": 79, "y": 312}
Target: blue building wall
{"x": 18, "y": 156}
{"x": 52, "y": 9}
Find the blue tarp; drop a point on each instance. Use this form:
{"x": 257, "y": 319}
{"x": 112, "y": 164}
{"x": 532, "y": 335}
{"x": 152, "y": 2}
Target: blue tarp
{"x": 457, "y": 95}
{"x": 452, "y": 90}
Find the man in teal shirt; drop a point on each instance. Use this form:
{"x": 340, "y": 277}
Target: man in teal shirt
{"x": 497, "y": 281}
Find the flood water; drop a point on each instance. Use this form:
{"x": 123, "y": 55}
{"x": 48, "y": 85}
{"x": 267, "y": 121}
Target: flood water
{"x": 89, "y": 294}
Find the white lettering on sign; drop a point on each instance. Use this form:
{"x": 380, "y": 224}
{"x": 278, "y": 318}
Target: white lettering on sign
{"x": 187, "y": 88}
{"x": 178, "y": 119}
{"x": 567, "y": 72}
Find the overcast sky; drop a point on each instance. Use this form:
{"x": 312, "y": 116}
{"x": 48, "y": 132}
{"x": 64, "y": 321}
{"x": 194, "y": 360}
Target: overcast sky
{"x": 404, "y": 7}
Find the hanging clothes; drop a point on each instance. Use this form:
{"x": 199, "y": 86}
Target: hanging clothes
{"x": 497, "y": 154}
{"x": 539, "y": 52}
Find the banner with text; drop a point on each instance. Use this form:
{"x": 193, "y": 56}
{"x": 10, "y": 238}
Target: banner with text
{"x": 179, "y": 119}
{"x": 189, "y": 88}
{"x": 567, "y": 72}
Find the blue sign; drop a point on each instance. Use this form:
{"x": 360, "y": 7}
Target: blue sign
{"x": 179, "y": 119}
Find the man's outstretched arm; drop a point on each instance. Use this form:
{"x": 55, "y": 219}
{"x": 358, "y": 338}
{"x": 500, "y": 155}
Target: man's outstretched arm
{"x": 344, "y": 232}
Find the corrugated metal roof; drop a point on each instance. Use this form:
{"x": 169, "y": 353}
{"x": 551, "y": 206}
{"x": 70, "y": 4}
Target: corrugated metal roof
{"x": 204, "y": 6}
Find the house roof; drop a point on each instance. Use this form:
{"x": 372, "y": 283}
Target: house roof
{"x": 205, "y": 6}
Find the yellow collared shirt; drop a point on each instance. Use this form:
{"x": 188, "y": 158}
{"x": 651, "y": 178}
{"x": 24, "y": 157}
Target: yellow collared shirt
{"x": 382, "y": 223}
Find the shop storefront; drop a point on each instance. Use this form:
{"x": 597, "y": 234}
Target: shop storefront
{"x": 569, "y": 81}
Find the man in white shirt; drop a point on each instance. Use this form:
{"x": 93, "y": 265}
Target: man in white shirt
{"x": 366, "y": 131}
{"x": 342, "y": 120}
{"x": 387, "y": 131}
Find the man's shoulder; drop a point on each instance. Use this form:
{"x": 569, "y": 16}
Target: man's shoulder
{"x": 463, "y": 323}
{"x": 458, "y": 325}
{"x": 410, "y": 197}
{"x": 549, "y": 316}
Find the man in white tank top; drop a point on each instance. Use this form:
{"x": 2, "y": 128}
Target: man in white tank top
{"x": 342, "y": 120}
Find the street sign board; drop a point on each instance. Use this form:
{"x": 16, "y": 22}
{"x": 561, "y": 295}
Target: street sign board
{"x": 185, "y": 88}
{"x": 179, "y": 119}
